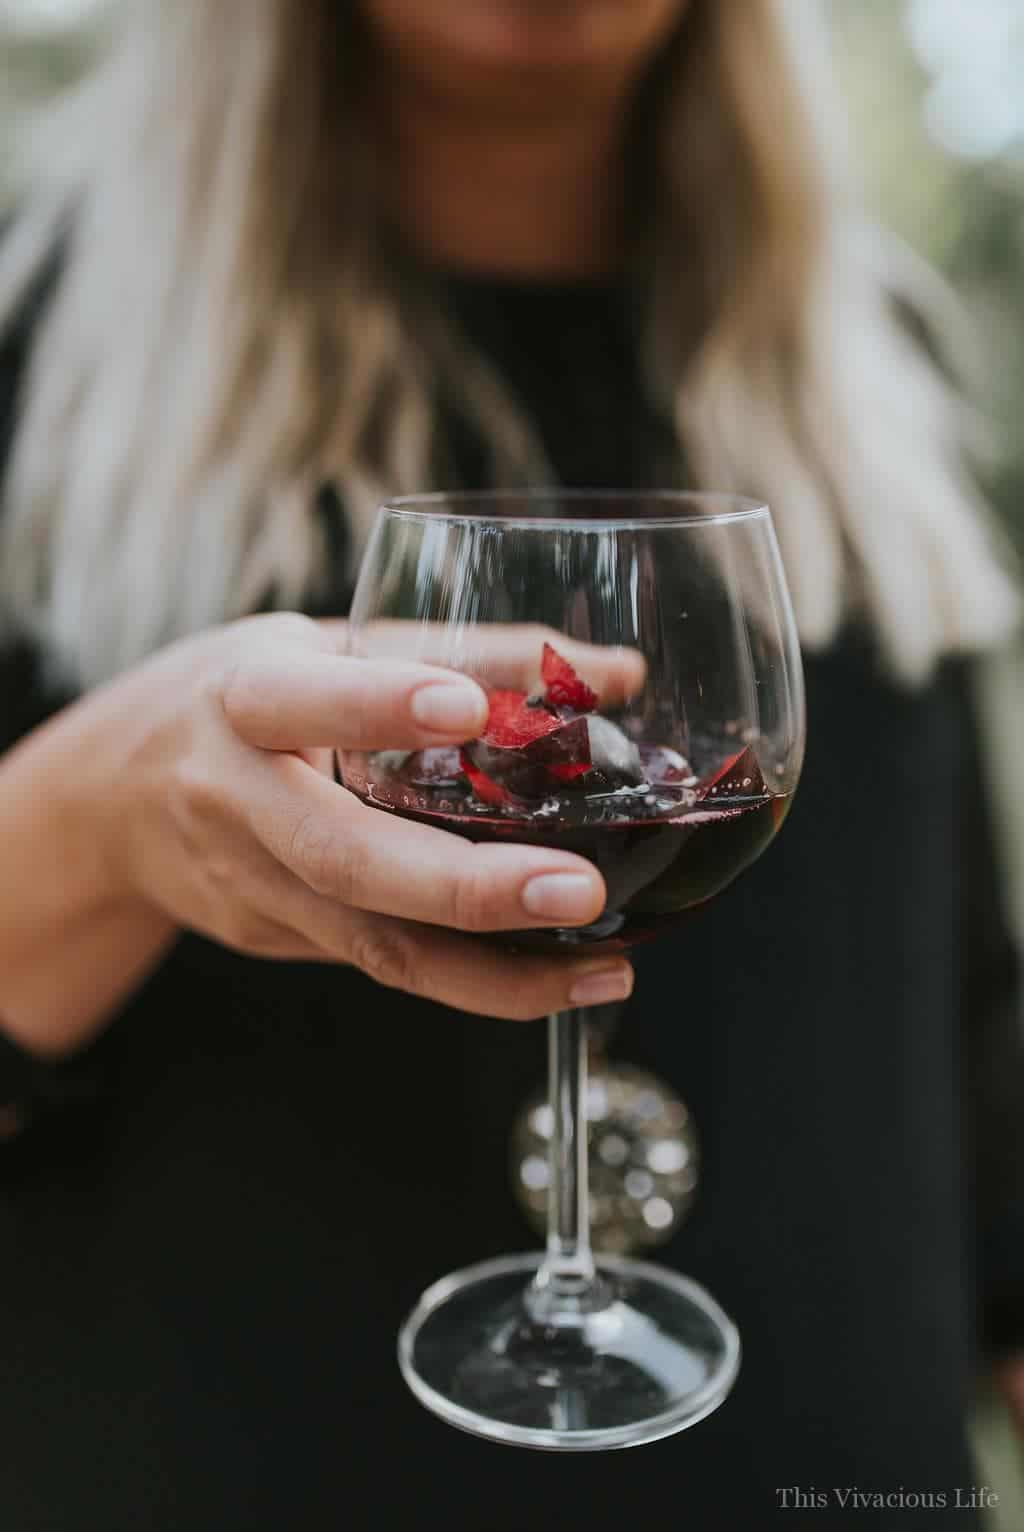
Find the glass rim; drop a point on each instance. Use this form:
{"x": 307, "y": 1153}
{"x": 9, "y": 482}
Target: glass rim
{"x": 456, "y": 506}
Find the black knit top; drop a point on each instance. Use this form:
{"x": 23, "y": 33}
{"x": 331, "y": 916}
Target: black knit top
{"x": 218, "y": 1214}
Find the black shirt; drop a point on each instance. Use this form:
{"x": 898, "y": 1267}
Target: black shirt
{"x": 206, "y": 1252}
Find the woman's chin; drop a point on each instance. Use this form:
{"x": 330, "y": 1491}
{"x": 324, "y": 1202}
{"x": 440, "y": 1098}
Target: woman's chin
{"x": 546, "y": 35}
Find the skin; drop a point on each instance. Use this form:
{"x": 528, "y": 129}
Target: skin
{"x": 489, "y": 56}
{"x": 194, "y": 792}
{"x": 505, "y": 122}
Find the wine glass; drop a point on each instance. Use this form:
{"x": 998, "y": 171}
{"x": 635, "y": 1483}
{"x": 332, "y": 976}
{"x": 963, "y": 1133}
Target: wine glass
{"x": 641, "y": 660}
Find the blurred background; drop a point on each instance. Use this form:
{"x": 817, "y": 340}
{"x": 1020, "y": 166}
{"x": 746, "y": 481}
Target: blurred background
{"x": 935, "y": 91}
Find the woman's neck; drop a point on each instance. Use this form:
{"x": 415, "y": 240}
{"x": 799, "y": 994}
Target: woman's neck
{"x": 536, "y": 200}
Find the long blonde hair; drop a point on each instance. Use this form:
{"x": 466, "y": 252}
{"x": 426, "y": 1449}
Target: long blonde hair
{"x": 227, "y": 332}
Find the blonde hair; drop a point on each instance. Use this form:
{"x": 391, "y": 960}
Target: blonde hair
{"x": 229, "y": 330}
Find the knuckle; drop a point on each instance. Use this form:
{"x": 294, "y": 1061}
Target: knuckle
{"x": 293, "y": 625}
{"x": 384, "y": 957}
{"x": 313, "y": 851}
{"x": 200, "y": 793}
{"x": 208, "y": 686}
{"x": 258, "y": 627}
{"x": 238, "y": 688}
{"x": 471, "y": 903}
{"x": 246, "y": 930}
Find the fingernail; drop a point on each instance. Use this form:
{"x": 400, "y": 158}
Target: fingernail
{"x": 603, "y": 986}
{"x": 560, "y": 896}
{"x": 448, "y": 707}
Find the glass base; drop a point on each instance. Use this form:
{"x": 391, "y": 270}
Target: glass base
{"x": 647, "y": 1355}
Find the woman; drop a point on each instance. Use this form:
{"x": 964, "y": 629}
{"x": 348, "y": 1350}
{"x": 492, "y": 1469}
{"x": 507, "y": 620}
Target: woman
{"x": 288, "y": 258}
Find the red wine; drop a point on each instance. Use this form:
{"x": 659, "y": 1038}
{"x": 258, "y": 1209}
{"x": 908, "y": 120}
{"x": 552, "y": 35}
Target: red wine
{"x": 663, "y": 847}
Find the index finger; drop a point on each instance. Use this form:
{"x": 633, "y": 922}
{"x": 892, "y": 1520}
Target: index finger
{"x": 286, "y": 697}
{"x": 497, "y": 654}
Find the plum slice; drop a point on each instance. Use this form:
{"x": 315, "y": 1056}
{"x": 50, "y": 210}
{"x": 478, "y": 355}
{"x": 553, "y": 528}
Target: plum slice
{"x": 535, "y": 746}
{"x": 739, "y": 776}
{"x": 486, "y": 788}
{"x": 500, "y": 773}
{"x": 588, "y": 752}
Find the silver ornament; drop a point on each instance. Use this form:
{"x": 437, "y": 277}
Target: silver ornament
{"x": 643, "y": 1159}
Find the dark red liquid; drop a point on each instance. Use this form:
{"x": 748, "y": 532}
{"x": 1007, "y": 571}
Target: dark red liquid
{"x": 660, "y": 848}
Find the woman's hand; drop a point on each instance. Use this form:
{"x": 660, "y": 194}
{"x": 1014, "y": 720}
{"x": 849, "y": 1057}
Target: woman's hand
{"x": 208, "y": 775}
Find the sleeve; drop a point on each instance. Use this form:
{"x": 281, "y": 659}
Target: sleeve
{"x": 32, "y": 1090}
{"x": 994, "y": 1063}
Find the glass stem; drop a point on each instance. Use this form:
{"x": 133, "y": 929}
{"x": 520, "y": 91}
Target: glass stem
{"x": 568, "y": 1267}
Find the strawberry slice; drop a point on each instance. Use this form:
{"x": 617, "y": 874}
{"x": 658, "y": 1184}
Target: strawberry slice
{"x": 563, "y": 686}
{"x": 513, "y": 724}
